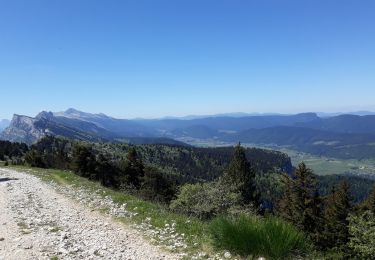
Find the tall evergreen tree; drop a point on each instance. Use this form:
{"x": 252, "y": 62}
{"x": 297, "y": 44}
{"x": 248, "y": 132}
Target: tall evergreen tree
{"x": 84, "y": 161}
{"x": 338, "y": 207}
{"x": 132, "y": 169}
{"x": 304, "y": 198}
{"x": 286, "y": 206}
{"x": 241, "y": 175}
{"x": 105, "y": 171}
{"x": 369, "y": 202}
{"x": 300, "y": 203}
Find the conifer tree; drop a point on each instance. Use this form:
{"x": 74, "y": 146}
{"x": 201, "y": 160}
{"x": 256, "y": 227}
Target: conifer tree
{"x": 301, "y": 204}
{"x": 133, "y": 169}
{"x": 304, "y": 198}
{"x": 286, "y": 207}
{"x": 338, "y": 207}
{"x": 369, "y": 202}
{"x": 240, "y": 175}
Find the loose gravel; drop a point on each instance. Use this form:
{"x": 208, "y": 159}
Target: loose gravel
{"x": 37, "y": 222}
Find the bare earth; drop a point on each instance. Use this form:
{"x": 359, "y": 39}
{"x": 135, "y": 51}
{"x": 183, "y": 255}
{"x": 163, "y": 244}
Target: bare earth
{"x": 36, "y": 222}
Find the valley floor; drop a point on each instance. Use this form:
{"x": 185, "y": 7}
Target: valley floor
{"x": 37, "y": 222}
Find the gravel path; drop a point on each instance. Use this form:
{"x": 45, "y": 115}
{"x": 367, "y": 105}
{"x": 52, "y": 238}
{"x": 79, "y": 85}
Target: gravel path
{"x": 36, "y": 222}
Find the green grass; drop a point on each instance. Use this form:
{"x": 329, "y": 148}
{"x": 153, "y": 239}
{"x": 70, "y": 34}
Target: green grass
{"x": 55, "y": 229}
{"x": 249, "y": 235}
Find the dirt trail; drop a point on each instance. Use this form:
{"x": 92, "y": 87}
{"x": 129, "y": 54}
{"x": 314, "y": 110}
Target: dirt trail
{"x": 36, "y": 222}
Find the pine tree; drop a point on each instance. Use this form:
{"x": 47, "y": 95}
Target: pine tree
{"x": 104, "y": 171}
{"x": 301, "y": 204}
{"x": 286, "y": 207}
{"x": 240, "y": 175}
{"x": 338, "y": 207}
{"x": 133, "y": 169}
{"x": 304, "y": 198}
{"x": 84, "y": 161}
{"x": 369, "y": 202}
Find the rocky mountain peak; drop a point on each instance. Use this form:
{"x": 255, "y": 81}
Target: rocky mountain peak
{"x": 44, "y": 115}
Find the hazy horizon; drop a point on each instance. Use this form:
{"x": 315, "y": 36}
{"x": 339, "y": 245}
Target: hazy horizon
{"x": 188, "y": 116}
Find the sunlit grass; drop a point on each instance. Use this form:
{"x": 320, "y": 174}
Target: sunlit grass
{"x": 251, "y": 235}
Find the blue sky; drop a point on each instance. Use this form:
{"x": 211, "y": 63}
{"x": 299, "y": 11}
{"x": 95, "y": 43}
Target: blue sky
{"x": 179, "y": 57}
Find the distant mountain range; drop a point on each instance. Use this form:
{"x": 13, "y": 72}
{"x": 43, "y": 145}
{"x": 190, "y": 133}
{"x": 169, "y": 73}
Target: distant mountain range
{"x": 344, "y": 136}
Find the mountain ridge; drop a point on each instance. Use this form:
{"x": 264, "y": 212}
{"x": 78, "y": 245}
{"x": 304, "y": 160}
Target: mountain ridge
{"x": 306, "y": 131}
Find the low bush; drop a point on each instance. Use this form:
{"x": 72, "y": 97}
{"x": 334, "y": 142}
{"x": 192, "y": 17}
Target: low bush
{"x": 205, "y": 200}
{"x": 250, "y": 235}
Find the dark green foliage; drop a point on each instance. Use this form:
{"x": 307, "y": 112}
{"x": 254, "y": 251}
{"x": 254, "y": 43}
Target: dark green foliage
{"x": 193, "y": 164}
{"x": 105, "y": 171}
{"x": 369, "y": 203}
{"x": 156, "y": 186}
{"x": 84, "y": 161}
{"x": 206, "y": 200}
{"x": 34, "y": 159}
{"x": 9, "y": 150}
{"x": 338, "y": 208}
{"x": 286, "y": 206}
{"x": 300, "y": 203}
{"x": 132, "y": 169}
{"x": 241, "y": 176}
{"x": 360, "y": 187}
{"x": 249, "y": 235}
{"x": 362, "y": 235}
{"x": 54, "y": 152}
{"x": 270, "y": 189}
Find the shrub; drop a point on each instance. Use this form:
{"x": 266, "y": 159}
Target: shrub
{"x": 250, "y": 235}
{"x": 362, "y": 235}
{"x": 205, "y": 200}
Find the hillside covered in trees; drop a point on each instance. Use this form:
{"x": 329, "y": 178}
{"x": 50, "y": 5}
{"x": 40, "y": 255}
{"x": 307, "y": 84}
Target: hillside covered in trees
{"x": 243, "y": 193}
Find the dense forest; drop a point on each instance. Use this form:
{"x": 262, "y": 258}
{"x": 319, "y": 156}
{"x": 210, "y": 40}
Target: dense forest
{"x": 228, "y": 186}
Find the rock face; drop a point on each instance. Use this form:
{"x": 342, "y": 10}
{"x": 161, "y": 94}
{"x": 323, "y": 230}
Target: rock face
{"x": 72, "y": 124}
{"x": 23, "y": 129}
{"x": 29, "y": 130}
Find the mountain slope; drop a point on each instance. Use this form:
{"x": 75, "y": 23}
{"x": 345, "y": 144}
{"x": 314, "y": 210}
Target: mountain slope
{"x": 229, "y": 123}
{"x": 343, "y": 124}
{"x": 118, "y": 127}
{"x": 29, "y": 130}
{"x": 340, "y": 145}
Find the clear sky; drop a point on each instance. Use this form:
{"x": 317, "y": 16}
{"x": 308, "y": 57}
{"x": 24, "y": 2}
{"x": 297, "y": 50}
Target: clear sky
{"x": 156, "y": 58}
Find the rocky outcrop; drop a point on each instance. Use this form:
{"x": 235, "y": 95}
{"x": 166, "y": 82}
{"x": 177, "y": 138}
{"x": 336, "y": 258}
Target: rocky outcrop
{"x": 22, "y": 129}
{"x": 29, "y": 130}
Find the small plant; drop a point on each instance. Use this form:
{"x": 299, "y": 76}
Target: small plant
{"x": 55, "y": 229}
{"x": 250, "y": 235}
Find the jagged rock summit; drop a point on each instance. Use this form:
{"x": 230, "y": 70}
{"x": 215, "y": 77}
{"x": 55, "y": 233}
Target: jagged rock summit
{"x": 72, "y": 124}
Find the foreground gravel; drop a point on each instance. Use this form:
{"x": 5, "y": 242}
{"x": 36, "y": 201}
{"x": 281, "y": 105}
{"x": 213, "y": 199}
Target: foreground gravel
{"x": 36, "y": 222}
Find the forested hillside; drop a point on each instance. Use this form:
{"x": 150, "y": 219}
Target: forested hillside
{"x": 242, "y": 193}
{"x": 187, "y": 164}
